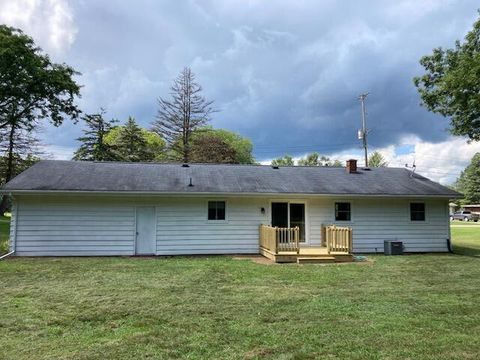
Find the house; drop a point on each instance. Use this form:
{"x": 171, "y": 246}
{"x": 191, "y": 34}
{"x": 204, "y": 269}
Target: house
{"x": 474, "y": 208}
{"x": 74, "y": 208}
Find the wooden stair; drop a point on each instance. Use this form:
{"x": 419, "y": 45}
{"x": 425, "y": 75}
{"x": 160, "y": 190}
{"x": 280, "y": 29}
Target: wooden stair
{"x": 316, "y": 260}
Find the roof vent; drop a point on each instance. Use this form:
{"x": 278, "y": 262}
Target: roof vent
{"x": 185, "y": 165}
{"x": 275, "y": 167}
{"x": 367, "y": 169}
{"x": 191, "y": 183}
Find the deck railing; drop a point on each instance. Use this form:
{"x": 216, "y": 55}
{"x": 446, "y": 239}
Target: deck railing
{"x": 337, "y": 239}
{"x": 275, "y": 239}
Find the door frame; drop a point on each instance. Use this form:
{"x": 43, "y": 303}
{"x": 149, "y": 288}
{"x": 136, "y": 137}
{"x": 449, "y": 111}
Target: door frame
{"x": 290, "y": 201}
{"x": 135, "y": 228}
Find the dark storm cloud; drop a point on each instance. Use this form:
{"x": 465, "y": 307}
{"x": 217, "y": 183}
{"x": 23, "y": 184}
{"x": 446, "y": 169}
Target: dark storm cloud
{"x": 286, "y": 73}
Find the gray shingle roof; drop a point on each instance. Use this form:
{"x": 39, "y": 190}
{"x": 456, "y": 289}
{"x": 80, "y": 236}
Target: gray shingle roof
{"x": 54, "y": 175}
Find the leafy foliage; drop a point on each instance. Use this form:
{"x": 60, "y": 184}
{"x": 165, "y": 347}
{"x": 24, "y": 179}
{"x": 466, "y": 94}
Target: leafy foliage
{"x": 468, "y": 182}
{"x": 285, "y": 160}
{"x": 31, "y": 86}
{"x": 315, "y": 159}
{"x": 133, "y": 143}
{"x": 209, "y": 148}
{"x": 94, "y": 146}
{"x": 377, "y": 160}
{"x": 231, "y": 147}
{"x": 179, "y": 117}
{"x": 451, "y": 84}
{"x": 312, "y": 159}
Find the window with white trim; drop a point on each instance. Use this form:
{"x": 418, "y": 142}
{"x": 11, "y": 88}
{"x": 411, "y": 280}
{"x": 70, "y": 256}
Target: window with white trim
{"x": 216, "y": 210}
{"x": 417, "y": 211}
{"x": 343, "y": 211}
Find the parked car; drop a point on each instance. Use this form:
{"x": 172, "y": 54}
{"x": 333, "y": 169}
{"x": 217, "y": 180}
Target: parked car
{"x": 464, "y": 216}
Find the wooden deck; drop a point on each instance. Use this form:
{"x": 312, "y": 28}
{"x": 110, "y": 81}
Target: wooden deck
{"x": 306, "y": 255}
{"x": 282, "y": 246}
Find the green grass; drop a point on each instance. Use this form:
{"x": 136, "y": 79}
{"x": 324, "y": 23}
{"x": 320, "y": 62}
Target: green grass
{"x": 466, "y": 238}
{"x": 416, "y": 306}
{"x": 4, "y": 234}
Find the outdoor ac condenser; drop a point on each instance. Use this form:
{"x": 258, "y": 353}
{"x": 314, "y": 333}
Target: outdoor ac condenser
{"x": 393, "y": 247}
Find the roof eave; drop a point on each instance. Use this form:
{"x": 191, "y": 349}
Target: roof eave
{"x": 200, "y": 193}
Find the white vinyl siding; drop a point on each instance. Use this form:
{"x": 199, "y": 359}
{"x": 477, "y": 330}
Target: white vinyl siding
{"x": 73, "y": 227}
{"x": 376, "y": 220}
{"x": 57, "y": 225}
{"x": 183, "y": 227}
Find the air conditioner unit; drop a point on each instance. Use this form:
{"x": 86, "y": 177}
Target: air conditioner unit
{"x": 393, "y": 247}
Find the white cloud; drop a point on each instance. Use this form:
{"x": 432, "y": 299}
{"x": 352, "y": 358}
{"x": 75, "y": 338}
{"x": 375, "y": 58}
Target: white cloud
{"x": 441, "y": 162}
{"x": 49, "y": 22}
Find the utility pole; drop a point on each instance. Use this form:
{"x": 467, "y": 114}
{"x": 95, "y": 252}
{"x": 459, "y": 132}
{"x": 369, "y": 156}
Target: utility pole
{"x": 362, "y": 134}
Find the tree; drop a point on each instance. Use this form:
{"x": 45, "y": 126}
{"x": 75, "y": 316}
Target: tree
{"x": 133, "y": 143}
{"x": 20, "y": 149}
{"x": 286, "y": 160}
{"x": 94, "y": 147}
{"x": 227, "y": 143}
{"x": 210, "y": 148}
{"x": 186, "y": 111}
{"x": 468, "y": 182}
{"x": 377, "y": 160}
{"x": 451, "y": 84}
{"x": 31, "y": 86}
{"x": 314, "y": 159}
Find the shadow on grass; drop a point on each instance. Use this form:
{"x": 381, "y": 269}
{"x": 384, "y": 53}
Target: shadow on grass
{"x": 466, "y": 251}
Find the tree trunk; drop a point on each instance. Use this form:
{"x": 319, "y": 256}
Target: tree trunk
{"x": 9, "y": 170}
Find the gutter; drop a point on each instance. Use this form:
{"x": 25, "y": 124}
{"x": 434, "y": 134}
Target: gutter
{"x": 7, "y": 254}
{"x": 211, "y": 193}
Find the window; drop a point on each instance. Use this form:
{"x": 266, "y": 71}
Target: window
{"x": 216, "y": 210}
{"x": 417, "y": 211}
{"x": 342, "y": 211}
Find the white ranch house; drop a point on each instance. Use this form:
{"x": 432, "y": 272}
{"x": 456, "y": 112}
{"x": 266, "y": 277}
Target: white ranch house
{"x": 73, "y": 208}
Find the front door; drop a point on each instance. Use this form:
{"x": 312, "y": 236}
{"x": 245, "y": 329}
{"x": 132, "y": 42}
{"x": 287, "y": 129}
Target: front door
{"x": 286, "y": 214}
{"x": 145, "y": 242}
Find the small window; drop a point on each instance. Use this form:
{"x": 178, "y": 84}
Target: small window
{"x": 417, "y": 211}
{"x": 342, "y": 211}
{"x": 216, "y": 210}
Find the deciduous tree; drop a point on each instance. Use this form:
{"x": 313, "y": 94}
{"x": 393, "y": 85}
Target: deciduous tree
{"x": 451, "y": 84}
{"x": 285, "y": 160}
{"x": 32, "y": 87}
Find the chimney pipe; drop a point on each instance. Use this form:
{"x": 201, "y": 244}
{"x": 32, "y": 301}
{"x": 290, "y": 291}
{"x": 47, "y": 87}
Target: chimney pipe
{"x": 351, "y": 166}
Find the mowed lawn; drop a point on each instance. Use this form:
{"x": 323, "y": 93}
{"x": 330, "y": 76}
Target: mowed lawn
{"x": 415, "y": 306}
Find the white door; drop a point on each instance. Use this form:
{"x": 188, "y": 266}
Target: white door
{"x": 145, "y": 243}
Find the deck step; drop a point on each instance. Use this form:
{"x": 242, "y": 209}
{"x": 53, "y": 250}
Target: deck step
{"x": 316, "y": 260}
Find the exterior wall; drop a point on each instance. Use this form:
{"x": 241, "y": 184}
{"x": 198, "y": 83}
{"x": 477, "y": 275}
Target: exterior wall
{"x": 73, "y": 226}
{"x": 376, "y": 220}
{"x": 85, "y": 225}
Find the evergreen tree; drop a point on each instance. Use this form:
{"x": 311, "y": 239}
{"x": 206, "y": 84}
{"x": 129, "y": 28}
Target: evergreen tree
{"x": 469, "y": 182}
{"x": 132, "y": 145}
{"x": 94, "y": 147}
{"x": 377, "y": 160}
{"x": 180, "y": 116}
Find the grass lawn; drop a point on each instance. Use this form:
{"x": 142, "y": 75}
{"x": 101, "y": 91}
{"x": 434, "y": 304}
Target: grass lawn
{"x": 416, "y": 306}
{"x": 4, "y": 234}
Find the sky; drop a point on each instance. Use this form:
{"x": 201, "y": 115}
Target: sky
{"x": 285, "y": 74}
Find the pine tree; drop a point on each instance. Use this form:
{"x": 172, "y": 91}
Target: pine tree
{"x": 469, "y": 181}
{"x": 94, "y": 146}
{"x": 185, "y": 112}
{"x": 377, "y": 160}
{"x": 132, "y": 145}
